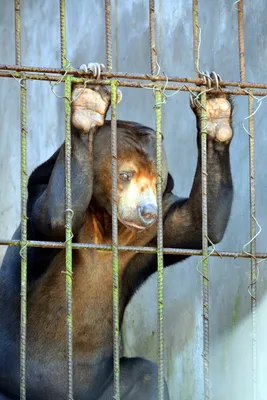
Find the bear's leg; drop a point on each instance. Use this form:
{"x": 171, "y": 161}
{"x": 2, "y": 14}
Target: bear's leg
{"x": 138, "y": 380}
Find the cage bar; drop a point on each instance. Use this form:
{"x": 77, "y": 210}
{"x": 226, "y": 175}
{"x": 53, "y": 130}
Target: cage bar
{"x": 68, "y": 201}
{"x": 23, "y": 243}
{"x": 205, "y": 262}
{"x": 160, "y": 264}
{"x": 23, "y": 183}
{"x": 69, "y": 235}
{"x": 152, "y": 31}
{"x": 23, "y": 73}
{"x": 114, "y": 173}
{"x": 108, "y": 35}
{"x": 205, "y": 251}
{"x": 137, "y": 249}
{"x": 241, "y": 40}
{"x": 63, "y": 42}
{"x": 158, "y": 99}
{"x": 253, "y": 261}
{"x": 195, "y": 35}
{"x": 183, "y": 88}
{"x": 126, "y": 75}
{"x": 115, "y": 256}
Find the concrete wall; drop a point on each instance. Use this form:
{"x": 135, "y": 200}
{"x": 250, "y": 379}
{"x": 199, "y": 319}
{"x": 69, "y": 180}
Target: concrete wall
{"x": 230, "y": 322}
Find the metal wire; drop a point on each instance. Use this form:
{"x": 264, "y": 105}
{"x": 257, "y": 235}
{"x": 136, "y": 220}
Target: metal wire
{"x": 115, "y": 257}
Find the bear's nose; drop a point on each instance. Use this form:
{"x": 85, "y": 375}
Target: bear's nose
{"x": 148, "y": 213}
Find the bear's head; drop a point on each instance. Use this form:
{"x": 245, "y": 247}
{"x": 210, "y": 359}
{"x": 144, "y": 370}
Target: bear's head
{"x": 136, "y": 174}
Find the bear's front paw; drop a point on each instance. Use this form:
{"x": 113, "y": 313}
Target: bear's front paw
{"x": 219, "y": 112}
{"x": 90, "y": 103}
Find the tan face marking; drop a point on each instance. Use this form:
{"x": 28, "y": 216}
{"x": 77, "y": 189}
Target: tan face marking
{"x": 141, "y": 188}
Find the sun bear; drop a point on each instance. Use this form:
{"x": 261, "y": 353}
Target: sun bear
{"x": 92, "y": 269}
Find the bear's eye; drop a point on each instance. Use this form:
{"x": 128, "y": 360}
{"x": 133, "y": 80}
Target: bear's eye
{"x": 125, "y": 176}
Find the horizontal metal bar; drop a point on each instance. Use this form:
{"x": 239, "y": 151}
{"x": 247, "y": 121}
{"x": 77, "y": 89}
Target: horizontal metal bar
{"x": 182, "y": 88}
{"x": 125, "y": 75}
{"x": 136, "y": 249}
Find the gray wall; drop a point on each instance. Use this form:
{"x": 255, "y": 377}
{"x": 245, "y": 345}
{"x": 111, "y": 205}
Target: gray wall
{"x": 230, "y": 322}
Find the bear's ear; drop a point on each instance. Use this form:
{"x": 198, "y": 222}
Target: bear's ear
{"x": 170, "y": 184}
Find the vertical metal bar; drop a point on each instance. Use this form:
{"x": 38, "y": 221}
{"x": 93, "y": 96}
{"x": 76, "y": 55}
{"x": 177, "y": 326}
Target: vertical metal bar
{"x": 63, "y": 42}
{"x": 17, "y": 32}
{"x": 68, "y": 211}
{"x": 195, "y": 35}
{"x": 153, "y": 51}
{"x": 205, "y": 263}
{"x": 158, "y": 99}
{"x": 241, "y": 40}
{"x": 115, "y": 258}
{"x": 23, "y": 183}
{"x": 23, "y": 243}
{"x": 254, "y": 267}
{"x": 108, "y": 35}
{"x": 69, "y": 235}
{"x": 160, "y": 263}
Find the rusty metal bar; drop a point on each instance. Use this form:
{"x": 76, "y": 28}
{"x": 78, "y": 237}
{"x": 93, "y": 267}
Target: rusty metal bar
{"x": 23, "y": 243}
{"x": 195, "y": 36}
{"x": 184, "y": 88}
{"x": 68, "y": 201}
{"x": 205, "y": 263}
{"x": 241, "y": 40}
{"x": 160, "y": 264}
{"x": 114, "y": 169}
{"x": 115, "y": 255}
{"x": 254, "y": 266}
{"x": 108, "y": 35}
{"x": 152, "y": 30}
{"x": 137, "y": 249}
{"x": 17, "y": 33}
{"x": 204, "y": 172}
{"x": 69, "y": 235}
{"x": 63, "y": 44}
{"x": 158, "y": 99}
{"x": 124, "y": 75}
{"x": 23, "y": 183}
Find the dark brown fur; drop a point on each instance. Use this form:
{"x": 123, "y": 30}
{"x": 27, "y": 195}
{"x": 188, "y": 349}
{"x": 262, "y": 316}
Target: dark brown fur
{"x": 92, "y": 268}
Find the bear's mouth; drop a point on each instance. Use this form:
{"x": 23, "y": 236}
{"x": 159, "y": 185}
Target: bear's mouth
{"x": 134, "y": 227}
